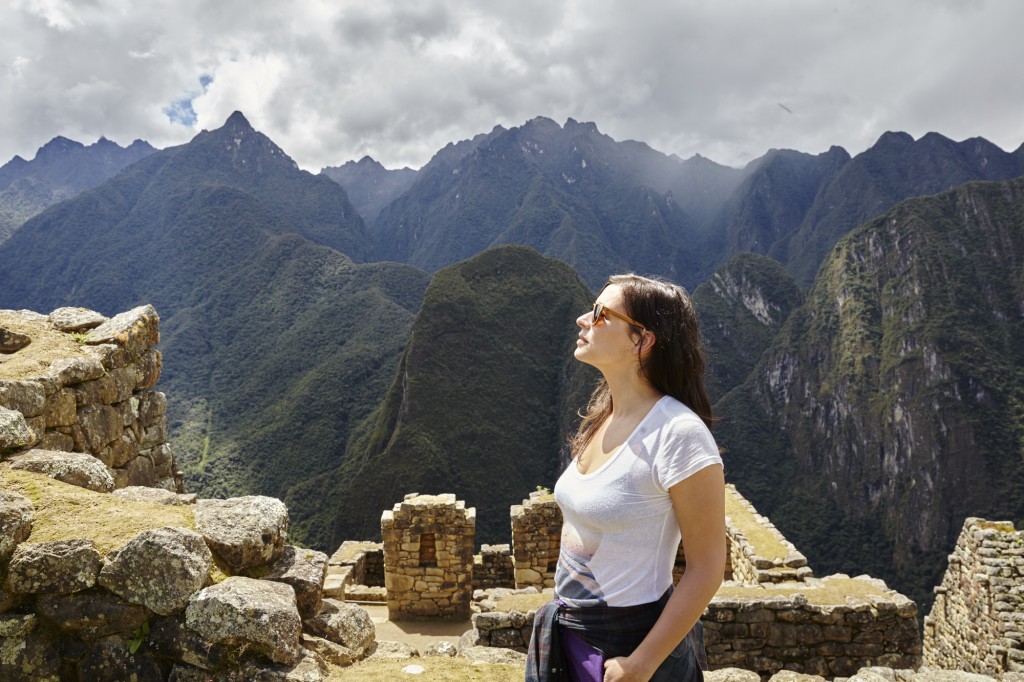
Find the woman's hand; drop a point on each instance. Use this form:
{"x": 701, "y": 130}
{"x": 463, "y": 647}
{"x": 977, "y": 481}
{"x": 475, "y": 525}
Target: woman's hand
{"x": 623, "y": 669}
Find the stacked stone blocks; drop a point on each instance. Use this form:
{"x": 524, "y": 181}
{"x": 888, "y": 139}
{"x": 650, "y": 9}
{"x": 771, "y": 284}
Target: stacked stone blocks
{"x": 747, "y": 564}
{"x": 977, "y": 620}
{"x": 493, "y": 567}
{"x": 97, "y": 400}
{"x": 428, "y": 557}
{"x": 536, "y": 537}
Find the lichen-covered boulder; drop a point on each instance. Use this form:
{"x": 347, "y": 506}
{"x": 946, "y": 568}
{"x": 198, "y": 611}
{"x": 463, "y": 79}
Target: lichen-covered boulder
{"x": 169, "y": 638}
{"x": 14, "y": 431}
{"x": 160, "y": 569}
{"x": 92, "y": 613}
{"x": 59, "y": 566}
{"x": 71, "y": 371}
{"x": 259, "y": 614}
{"x": 16, "y": 513}
{"x": 329, "y": 651}
{"x": 391, "y": 651}
{"x": 73, "y": 468}
{"x": 244, "y": 531}
{"x": 27, "y": 397}
{"x": 135, "y": 330}
{"x": 343, "y": 623}
{"x": 304, "y": 570}
{"x": 310, "y": 669}
{"x": 75, "y": 319}
{"x": 26, "y": 654}
{"x": 140, "y": 493}
{"x": 731, "y": 675}
{"x": 110, "y": 660}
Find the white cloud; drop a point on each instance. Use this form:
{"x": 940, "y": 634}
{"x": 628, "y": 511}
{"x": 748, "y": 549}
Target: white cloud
{"x": 332, "y": 81}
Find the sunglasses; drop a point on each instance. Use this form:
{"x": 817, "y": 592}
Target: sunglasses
{"x": 601, "y": 312}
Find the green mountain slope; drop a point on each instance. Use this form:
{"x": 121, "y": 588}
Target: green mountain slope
{"x": 889, "y": 407}
{"x": 275, "y": 343}
{"x": 483, "y": 401}
{"x": 60, "y": 169}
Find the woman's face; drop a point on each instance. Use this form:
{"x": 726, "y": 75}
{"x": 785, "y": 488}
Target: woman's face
{"x": 610, "y": 341}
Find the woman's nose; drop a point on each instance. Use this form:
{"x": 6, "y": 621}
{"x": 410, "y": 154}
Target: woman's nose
{"x": 583, "y": 320}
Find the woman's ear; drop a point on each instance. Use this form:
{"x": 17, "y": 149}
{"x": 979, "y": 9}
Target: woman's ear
{"x": 646, "y": 342}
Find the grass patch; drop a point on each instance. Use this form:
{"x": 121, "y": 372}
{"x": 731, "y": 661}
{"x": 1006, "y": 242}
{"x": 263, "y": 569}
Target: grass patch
{"x": 65, "y": 511}
{"x": 437, "y": 668}
{"x": 828, "y": 592}
{"x": 523, "y": 602}
{"x": 764, "y": 542}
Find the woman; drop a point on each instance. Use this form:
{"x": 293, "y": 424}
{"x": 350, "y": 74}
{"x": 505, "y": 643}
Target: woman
{"x": 645, "y": 472}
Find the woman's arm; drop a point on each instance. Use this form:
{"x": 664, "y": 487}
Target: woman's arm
{"x": 699, "y": 504}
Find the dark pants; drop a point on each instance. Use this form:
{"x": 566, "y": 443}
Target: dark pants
{"x": 618, "y": 631}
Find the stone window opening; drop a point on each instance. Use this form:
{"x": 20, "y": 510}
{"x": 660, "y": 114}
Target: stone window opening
{"x": 428, "y": 551}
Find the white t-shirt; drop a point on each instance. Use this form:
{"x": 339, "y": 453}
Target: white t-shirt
{"x": 619, "y": 531}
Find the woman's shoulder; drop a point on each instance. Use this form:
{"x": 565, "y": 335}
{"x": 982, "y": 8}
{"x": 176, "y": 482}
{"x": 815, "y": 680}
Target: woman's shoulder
{"x": 678, "y": 417}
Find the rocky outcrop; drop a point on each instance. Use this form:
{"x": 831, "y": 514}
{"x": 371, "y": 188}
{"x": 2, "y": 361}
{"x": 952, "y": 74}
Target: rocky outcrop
{"x": 61, "y": 566}
{"x": 74, "y": 468}
{"x": 16, "y": 513}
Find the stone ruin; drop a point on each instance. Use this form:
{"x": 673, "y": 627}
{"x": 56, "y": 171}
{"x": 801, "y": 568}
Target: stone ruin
{"x": 428, "y": 557}
{"x": 977, "y": 621}
{"x": 108, "y": 571}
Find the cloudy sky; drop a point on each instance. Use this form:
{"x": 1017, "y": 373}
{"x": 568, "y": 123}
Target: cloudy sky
{"x": 333, "y": 80}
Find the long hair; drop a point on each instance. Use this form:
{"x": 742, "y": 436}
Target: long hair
{"x": 675, "y": 363}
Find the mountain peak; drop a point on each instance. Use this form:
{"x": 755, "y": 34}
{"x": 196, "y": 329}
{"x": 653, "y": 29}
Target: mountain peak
{"x": 58, "y": 146}
{"x": 237, "y": 120}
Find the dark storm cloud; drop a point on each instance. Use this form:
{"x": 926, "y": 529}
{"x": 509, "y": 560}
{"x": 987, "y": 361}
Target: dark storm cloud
{"x": 332, "y": 81}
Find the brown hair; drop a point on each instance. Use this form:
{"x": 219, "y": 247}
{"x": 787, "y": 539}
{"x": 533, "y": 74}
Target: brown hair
{"x": 675, "y": 364}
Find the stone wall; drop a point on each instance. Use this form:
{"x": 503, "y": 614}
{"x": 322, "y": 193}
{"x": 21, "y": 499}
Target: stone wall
{"x": 493, "y": 567}
{"x": 428, "y": 557}
{"x": 748, "y": 563}
{"x": 536, "y": 538}
{"x": 356, "y": 572}
{"x": 80, "y": 382}
{"x": 977, "y": 621}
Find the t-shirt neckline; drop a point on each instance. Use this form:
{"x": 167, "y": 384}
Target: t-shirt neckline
{"x": 615, "y": 455}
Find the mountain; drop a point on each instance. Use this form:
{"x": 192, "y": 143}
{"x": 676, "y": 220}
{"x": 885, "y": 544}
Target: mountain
{"x": 369, "y": 185}
{"x": 482, "y": 403}
{"x": 60, "y": 169}
{"x": 276, "y": 341}
{"x": 888, "y": 407}
{"x": 568, "y": 191}
{"x": 742, "y": 306}
{"x": 897, "y": 167}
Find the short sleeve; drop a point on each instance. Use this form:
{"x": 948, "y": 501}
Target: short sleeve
{"x": 687, "y": 447}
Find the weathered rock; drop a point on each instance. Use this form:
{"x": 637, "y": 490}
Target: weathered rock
{"x": 391, "y": 651}
{"x": 75, "y": 319}
{"x": 60, "y": 408}
{"x": 26, "y": 654}
{"x": 110, "y": 660}
{"x": 139, "y": 493}
{"x": 73, "y": 468}
{"x": 8, "y": 599}
{"x": 136, "y": 330}
{"x": 160, "y": 569}
{"x": 470, "y": 638}
{"x": 16, "y": 514}
{"x": 71, "y": 371}
{"x": 59, "y": 566}
{"x": 926, "y": 674}
{"x": 91, "y": 614}
{"x": 244, "y": 531}
{"x": 304, "y": 570}
{"x": 310, "y": 669}
{"x": 244, "y": 611}
{"x": 329, "y": 651}
{"x": 14, "y": 432}
{"x": 101, "y": 425}
{"x": 441, "y": 649}
{"x": 27, "y": 397}
{"x": 874, "y": 674}
{"x": 152, "y": 406}
{"x": 149, "y": 367}
{"x": 141, "y": 471}
{"x": 170, "y": 638}
{"x": 110, "y": 355}
{"x": 731, "y": 675}
{"x": 790, "y": 676}
{"x": 12, "y": 341}
{"x": 343, "y": 623}
{"x": 489, "y": 654}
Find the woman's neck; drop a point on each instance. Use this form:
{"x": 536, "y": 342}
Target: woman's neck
{"x": 631, "y": 393}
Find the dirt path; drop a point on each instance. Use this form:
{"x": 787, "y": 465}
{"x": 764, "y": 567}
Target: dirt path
{"x": 419, "y": 634}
